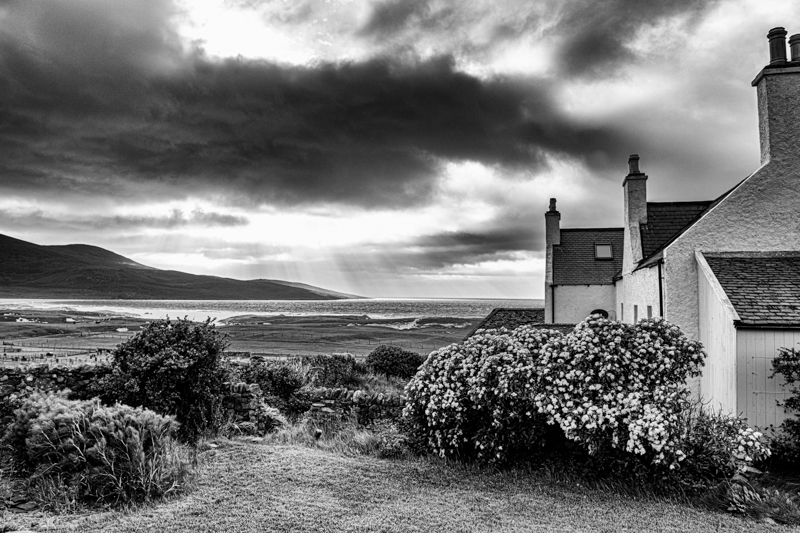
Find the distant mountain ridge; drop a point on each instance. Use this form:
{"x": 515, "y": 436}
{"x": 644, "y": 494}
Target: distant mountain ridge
{"x": 81, "y": 271}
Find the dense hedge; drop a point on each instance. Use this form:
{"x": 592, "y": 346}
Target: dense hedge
{"x": 172, "y": 367}
{"x": 393, "y": 361}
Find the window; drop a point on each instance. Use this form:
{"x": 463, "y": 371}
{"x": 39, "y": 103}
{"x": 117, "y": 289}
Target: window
{"x": 603, "y": 251}
{"x": 622, "y": 312}
{"x": 635, "y": 313}
{"x": 649, "y": 311}
{"x": 602, "y": 312}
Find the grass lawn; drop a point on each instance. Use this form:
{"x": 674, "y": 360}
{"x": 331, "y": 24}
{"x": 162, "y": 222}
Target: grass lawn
{"x": 259, "y": 487}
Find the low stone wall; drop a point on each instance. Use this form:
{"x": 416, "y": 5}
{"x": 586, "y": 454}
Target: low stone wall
{"x": 367, "y": 407}
{"x": 242, "y": 403}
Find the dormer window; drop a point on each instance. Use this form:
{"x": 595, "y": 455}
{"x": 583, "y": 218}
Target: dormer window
{"x": 603, "y": 251}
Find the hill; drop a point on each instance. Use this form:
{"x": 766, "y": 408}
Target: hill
{"x": 29, "y": 270}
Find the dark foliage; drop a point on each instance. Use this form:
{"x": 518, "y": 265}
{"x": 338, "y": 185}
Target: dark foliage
{"x": 172, "y": 367}
{"x": 394, "y": 361}
{"x": 337, "y": 370}
{"x": 786, "y": 445}
{"x": 281, "y": 384}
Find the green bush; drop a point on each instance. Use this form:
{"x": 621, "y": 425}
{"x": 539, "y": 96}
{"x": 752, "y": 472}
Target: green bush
{"x": 172, "y": 367}
{"x": 337, "y": 370}
{"x": 394, "y": 361}
{"x": 281, "y": 384}
{"x": 474, "y": 400}
{"x": 786, "y": 444}
{"x": 718, "y": 446}
{"x": 96, "y": 453}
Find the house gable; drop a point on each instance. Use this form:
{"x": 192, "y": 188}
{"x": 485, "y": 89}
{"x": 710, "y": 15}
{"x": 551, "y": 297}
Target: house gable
{"x": 575, "y": 260}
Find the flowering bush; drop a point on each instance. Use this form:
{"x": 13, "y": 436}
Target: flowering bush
{"x": 475, "y": 399}
{"x": 620, "y": 385}
{"x": 718, "y": 445}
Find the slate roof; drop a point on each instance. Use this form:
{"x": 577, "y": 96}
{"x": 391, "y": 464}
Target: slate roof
{"x": 574, "y": 262}
{"x": 513, "y": 318}
{"x": 667, "y": 219}
{"x": 764, "y": 287}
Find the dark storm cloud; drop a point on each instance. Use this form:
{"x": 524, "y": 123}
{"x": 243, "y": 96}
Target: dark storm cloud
{"x": 592, "y": 37}
{"x": 470, "y": 247}
{"x": 176, "y": 219}
{"x": 595, "y": 36}
{"x": 98, "y": 98}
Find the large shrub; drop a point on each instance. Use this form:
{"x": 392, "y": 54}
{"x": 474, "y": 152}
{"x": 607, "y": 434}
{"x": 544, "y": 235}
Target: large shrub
{"x": 172, "y": 367}
{"x": 475, "y": 399}
{"x": 611, "y": 384}
{"x": 109, "y": 454}
{"x": 393, "y": 361}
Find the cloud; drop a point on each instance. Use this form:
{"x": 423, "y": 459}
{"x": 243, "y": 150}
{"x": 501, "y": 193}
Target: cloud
{"x": 126, "y": 111}
{"x": 175, "y": 219}
{"x": 595, "y": 37}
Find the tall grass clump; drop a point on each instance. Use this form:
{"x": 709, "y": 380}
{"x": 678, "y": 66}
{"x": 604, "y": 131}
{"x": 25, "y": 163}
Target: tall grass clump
{"x": 174, "y": 367}
{"x": 76, "y": 451}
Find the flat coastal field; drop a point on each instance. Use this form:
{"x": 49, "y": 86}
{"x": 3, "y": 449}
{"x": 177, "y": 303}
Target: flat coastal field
{"x": 31, "y": 336}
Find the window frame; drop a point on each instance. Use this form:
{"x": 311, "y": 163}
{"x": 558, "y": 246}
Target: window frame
{"x": 610, "y": 251}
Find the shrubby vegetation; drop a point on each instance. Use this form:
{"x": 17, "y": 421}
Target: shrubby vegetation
{"x": 474, "y": 400}
{"x": 282, "y": 384}
{"x": 616, "y": 390}
{"x": 787, "y": 444}
{"x": 393, "y": 361}
{"x": 91, "y": 452}
{"x": 337, "y": 370}
{"x": 173, "y": 367}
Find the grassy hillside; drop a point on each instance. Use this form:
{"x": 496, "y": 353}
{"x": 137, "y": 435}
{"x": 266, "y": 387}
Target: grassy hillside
{"x": 28, "y": 270}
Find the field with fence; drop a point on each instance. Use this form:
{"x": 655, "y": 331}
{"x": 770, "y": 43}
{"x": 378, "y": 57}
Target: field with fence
{"x": 89, "y": 340}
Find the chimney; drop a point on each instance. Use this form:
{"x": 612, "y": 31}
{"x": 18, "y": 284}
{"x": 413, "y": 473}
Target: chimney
{"x": 635, "y": 200}
{"x": 777, "y": 45}
{"x": 778, "y": 90}
{"x": 552, "y": 225}
{"x": 794, "y": 45}
{"x": 552, "y": 220}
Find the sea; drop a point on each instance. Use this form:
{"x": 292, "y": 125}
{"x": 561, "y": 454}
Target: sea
{"x": 377, "y": 308}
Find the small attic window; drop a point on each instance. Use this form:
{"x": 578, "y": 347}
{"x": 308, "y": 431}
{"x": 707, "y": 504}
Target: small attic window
{"x": 603, "y": 251}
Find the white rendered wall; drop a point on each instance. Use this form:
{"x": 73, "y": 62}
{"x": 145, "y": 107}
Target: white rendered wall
{"x": 718, "y": 381}
{"x": 575, "y": 302}
{"x": 760, "y": 215}
{"x": 640, "y": 288}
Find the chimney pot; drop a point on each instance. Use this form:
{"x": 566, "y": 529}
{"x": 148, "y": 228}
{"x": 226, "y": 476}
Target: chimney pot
{"x": 552, "y": 204}
{"x": 633, "y": 164}
{"x": 777, "y": 45}
{"x": 794, "y": 46}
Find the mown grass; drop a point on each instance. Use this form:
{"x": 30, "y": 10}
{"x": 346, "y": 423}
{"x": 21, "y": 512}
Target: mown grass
{"x": 244, "y": 486}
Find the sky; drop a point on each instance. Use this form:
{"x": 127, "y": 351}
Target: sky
{"x": 376, "y": 147}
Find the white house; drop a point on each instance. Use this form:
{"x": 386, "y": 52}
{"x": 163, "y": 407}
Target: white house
{"x": 727, "y": 270}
